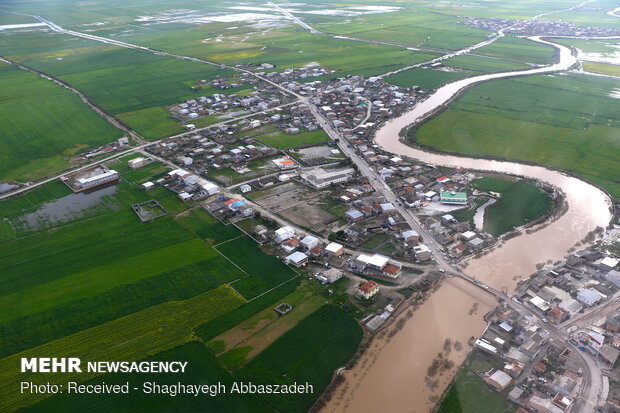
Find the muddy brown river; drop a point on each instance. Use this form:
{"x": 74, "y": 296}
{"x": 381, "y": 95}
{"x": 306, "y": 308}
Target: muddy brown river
{"x": 391, "y": 375}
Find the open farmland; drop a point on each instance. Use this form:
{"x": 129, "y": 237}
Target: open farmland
{"x": 202, "y": 368}
{"x": 43, "y": 126}
{"x": 468, "y": 393}
{"x": 282, "y": 140}
{"x": 601, "y": 68}
{"x": 482, "y": 64}
{"x": 426, "y": 78}
{"x": 305, "y": 354}
{"x": 519, "y": 204}
{"x": 264, "y": 271}
{"x": 567, "y": 122}
{"x": 131, "y": 84}
{"x": 133, "y": 337}
{"x": 413, "y": 28}
{"x": 520, "y": 50}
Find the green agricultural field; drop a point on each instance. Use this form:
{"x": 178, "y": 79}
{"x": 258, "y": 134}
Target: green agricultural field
{"x": 133, "y": 337}
{"x": 410, "y": 27}
{"x": 305, "y": 354}
{"x": 469, "y": 394}
{"x": 282, "y": 140}
{"x": 76, "y": 315}
{"x": 519, "y": 204}
{"x": 601, "y": 68}
{"x": 567, "y": 122}
{"x": 604, "y": 47}
{"x": 487, "y": 183}
{"x": 425, "y": 78}
{"x": 43, "y": 125}
{"x": 520, "y": 50}
{"x": 264, "y": 271}
{"x": 202, "y": 368}
{"x": 229, "y": 320}
{"x": 134, "y": 85}
{"x": 154, "y": 123}
{"x": 483, "y": 64}
{"x": 260, "y": 331}
{"x": 205, "y": 226}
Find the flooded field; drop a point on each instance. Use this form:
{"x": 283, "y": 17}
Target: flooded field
{"x": 67, "y": 208}
{"x": 6, "y": 187}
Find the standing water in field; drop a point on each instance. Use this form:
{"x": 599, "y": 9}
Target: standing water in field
{"x": 7, "y": 187}
{"x": 68, "y": 208}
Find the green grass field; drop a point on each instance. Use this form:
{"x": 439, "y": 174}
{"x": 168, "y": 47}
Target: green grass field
{"x": 482, "y": 64}
{"x": 43, "y": 125}
{"x": 567, "y": 122}
{"x": 133, "y": 337}
{"x": 425, "y": 78}
{"x": 520, "y": 50}
{"x": 131, "y": 84}
{"x": 305, "y": 354}
{"x": 519, "y": 204}
{"x": 601, "y": 68}
{"x": 282, "y": 140}
{"x": 265, "y": 271}
{"x": 469, "y": 394}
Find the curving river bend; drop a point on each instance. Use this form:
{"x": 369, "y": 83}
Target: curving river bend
{"x": 589, "y": 206}
{"x": 391, "y": 375}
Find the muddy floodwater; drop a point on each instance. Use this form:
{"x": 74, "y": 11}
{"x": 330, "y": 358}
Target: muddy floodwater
{"x": 390, "y": 376}
{"x": 67, "y": 208}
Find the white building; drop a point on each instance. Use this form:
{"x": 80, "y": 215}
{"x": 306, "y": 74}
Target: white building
{"x": 284, "y": 233}
{"x": 297, "y": 259}
{"x": 320, "y": 178}
{"x": 334, "y": 248}
{"x": 147, "y": 185}
{"x": 210, "y": 188}
{"x": 136, "y": 163}
{"x": 245, "y": 188}
{"x": 589, "y": 296}
{"x": 109, "y": 176}
{"x": 310, "y": 242}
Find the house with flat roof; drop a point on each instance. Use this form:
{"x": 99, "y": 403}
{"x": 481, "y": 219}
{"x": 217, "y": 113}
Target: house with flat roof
{"x": 499, "y": 380}
{"x": 453, "y": 198}
{"x": 309, "y": 242}
{"x": 334, "y": 249}
{"x": 297, "y": 259}
{"x": 284, "y": 233}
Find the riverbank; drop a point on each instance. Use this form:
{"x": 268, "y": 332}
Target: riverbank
{"x": 396, "y": 372}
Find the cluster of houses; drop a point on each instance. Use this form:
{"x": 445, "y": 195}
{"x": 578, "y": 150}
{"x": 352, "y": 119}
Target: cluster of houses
{"x": 201, "y": 154}
{"x": 345, "y": 102}
{"x": 580, "y": 282}
{"x": 538, "y": 27}
{"x": 536, "y": 371}
{"x": 539, "y": 372}
{"x": 187, "y": 186}
{"x": 292, "y": 74}
{"x": 220, "y": 103}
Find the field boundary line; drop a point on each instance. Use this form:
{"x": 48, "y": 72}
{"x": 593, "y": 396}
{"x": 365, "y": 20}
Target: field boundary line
{"x": 271, "y": 289}
{"x": 228, "y": 240}
{"x": 231, "y": 261}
